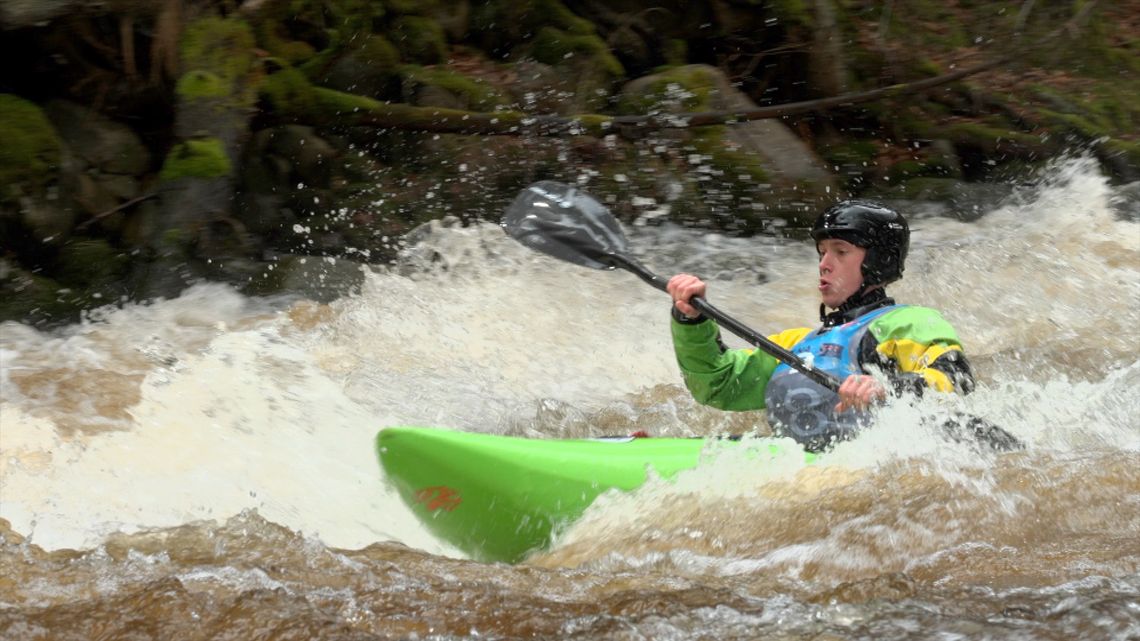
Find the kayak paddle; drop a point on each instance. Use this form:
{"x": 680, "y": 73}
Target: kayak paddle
{"x": 567, "y": 223}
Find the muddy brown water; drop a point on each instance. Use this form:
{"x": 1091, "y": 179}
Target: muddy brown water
{"x": 202, "y": 468}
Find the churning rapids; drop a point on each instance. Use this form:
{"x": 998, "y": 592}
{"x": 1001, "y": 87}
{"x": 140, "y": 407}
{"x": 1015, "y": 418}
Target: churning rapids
{"x": 203, "y": 468}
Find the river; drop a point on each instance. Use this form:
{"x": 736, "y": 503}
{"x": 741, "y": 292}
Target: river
{"x": 203, "y": 467}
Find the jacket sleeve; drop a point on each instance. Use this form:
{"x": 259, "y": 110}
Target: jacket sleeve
{"x": 923, "y": 349}
{"x": 727, "y": 379}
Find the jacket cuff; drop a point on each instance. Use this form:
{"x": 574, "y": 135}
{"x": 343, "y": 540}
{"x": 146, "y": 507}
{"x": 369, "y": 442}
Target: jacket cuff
{"x": 685, "y": 320}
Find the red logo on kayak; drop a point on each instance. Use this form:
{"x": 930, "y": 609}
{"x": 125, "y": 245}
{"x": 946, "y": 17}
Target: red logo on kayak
{"x": 439, "y": 497}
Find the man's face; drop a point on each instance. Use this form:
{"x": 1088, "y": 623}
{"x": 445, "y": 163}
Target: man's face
{"x": 840, "y": 273}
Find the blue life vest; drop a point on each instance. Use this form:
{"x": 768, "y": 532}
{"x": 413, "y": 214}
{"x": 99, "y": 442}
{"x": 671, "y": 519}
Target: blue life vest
{"x": 802, "y": 409}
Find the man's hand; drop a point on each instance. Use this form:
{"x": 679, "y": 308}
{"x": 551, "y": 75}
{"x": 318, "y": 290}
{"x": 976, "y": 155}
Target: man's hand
{"x": 858, "y": 392}
{"x": 682, "y": 288}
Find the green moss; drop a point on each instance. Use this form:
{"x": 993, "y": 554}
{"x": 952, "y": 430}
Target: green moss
{"x": 199, "y": 158}
{"x": 420, "y": 40}
{"x": 288, "y": 91}
{"x": 222, "y": 46}
{"x": 479, "y": 95}
{"x": 990, "y": 138}
{"x": 850, "y": 152}
{"x": 1128, "y": 149}
{"x": 378, "y": 51}
{"x": 710, "y": 142}
{"x": 675, "y": 52}
{"x": 201, "y": 84}
{"x": 334, "y": 102}
{"x": 31, "y": 148}
{"x": 927, "y": 67}
{"x": 685, "y": 89}
{"x": 90, "y": 263}
{"x": 594, "y": 124}
{"x": 25, "y": 297}
{"x": 554, "y": 12}
{"x": 172, "y": 239}
{"x": 292, "y": 51}
{"x": 553, "y": 46}
{"x": 905, "y": 169}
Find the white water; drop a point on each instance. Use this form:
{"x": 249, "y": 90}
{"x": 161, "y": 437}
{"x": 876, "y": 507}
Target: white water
{"x": 204, "y": 406}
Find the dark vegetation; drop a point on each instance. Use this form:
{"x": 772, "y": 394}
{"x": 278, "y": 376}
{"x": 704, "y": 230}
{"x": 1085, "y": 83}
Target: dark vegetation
{"x": 151, "y": 144}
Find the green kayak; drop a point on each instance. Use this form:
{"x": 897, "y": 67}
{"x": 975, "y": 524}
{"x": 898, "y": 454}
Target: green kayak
{"x": 498, "y": 498}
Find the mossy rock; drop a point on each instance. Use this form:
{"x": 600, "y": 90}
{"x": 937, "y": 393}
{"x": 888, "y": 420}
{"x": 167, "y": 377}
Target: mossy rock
{"x": 473, "y": 94}
{"x": 420, "y": 40}
{"x": 31, "y": 150}
{"x": 28, "y": 297}
{"x": 197, "y": 158}
{"x": 850, "y": 151}
{"x": 554, "y": 46}
{"x": 90, "y": 263}
{"x": 378, "y": 51}
{"x": 710, "y": 141}
{"x": 317, "y": 278}
{"x": 222, "y": 46}
{"x": 504, "y": 23}
{"x": 198, "y": 83}
{"x": 993, "y": 139}
{"x": 369, "y": 67}
{"x": 675, "y": 90}
{"x": 1122, "y": 157}
{"x": 288, "y": 92}
{"x": 269, "y": 36}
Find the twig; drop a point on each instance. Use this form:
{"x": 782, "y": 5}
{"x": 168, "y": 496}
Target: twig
{"x": 120, "y": 207}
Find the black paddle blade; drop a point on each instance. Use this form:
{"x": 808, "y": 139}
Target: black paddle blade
{"x": 565, "y": 222}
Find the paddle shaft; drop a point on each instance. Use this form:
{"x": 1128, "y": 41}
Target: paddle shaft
{"x": 564, "y": 222}
{"x": 731, "y": 324}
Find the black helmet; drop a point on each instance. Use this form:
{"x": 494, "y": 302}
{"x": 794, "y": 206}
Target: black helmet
{"x": 882, "y": 231}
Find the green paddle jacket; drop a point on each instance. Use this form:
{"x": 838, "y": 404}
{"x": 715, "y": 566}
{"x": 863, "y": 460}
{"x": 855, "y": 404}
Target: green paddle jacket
{"x": 914, "y": 346}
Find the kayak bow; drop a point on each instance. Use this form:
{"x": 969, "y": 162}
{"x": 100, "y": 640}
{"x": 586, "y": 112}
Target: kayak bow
{"x": 497, "y": 498}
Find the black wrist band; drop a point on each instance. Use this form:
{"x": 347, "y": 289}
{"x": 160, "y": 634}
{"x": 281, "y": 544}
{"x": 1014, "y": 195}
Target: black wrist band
{"x": 685, "y": 320}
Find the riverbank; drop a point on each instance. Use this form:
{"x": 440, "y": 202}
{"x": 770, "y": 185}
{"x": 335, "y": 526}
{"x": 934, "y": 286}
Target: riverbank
{"x": 265, "y": 144}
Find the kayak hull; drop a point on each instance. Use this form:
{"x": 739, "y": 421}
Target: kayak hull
{"x": 497, "y": 498}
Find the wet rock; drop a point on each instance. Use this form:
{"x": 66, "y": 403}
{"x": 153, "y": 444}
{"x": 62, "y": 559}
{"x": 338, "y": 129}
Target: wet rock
{"x": 760, "y": 168}
{"x": 367, "y": 69}
{"x": 453, "y": 16}
{"x": 92, "y": 195}
{"x": 90, "y": 264}
{"x": 1125, "y": 201}
{"x": 121, "y": 186}
{"x": 26, "y": 13}
{"x": 309, "y": 157}
{"x": 31, "y": 154}
{"x": 965, "y": 200}
{"x": 27, "y": 296}
{"x": 420, "y": 40}
{"x": 97, "y": 140}
{"x": 538, "y": 88}
{"x": 318, "y": 278}
{"x": 438, "y": 87}
{"x": 47, "y": 219}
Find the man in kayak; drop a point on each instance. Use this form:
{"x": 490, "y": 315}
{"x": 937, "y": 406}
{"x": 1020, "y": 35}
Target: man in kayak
{"x": 862, "y": 247}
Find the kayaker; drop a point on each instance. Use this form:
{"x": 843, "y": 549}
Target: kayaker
{"x": 866, "y": 340}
